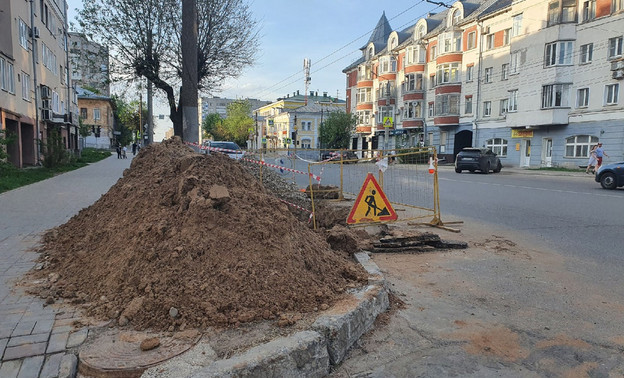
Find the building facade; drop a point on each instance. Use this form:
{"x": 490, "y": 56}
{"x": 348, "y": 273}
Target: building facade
{"x": 298, "y": 113}
{"x": 96, "y": 111}
{"x": 538, "y": 82}
{"x": 36, "y": 96}
{"x": 89, "y": 64}
{"x": 218, "y": 105}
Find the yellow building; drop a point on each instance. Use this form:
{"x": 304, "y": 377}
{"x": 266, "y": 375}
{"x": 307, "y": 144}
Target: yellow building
{"x": 96, "y": 111}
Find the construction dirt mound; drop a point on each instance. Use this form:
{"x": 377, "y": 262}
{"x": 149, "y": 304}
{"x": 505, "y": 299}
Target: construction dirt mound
{"x": 185, "y": 240}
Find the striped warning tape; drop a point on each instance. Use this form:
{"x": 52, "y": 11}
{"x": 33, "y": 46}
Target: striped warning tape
{"x": 300, "y": 208}
{"x": 217, "y": 149}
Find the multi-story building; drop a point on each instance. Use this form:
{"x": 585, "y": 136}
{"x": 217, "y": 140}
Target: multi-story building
{"x": 211, "y": 105}
{"x": 300, "y": 113}
{"x": 89, "y": 64}
{"x": 538, "y": 82}
{"x": 36, "y": 97}
{"x": 96, "y": 111}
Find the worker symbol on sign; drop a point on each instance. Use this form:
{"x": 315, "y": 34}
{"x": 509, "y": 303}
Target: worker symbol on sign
{"x": 371, "y": 204}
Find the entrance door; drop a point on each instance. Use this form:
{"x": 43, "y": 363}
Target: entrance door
{"x": 525, "y": 157}
{"x": 547, "y": 152}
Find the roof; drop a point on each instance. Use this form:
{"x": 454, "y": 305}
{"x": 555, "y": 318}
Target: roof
{"x": 87, "y": 94}
{"x": 380, "y": 33}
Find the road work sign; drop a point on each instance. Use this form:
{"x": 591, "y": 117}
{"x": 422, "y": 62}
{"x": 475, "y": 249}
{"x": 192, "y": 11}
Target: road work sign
{"x": 371, "y": 204}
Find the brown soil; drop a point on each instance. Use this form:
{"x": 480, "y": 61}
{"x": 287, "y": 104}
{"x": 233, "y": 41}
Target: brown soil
{"x": 186, "y": 241}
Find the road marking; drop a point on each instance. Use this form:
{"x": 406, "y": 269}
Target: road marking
{"x": 533, "y": 188}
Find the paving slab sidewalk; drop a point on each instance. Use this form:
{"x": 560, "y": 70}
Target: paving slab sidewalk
{"x": 35, "y": 339}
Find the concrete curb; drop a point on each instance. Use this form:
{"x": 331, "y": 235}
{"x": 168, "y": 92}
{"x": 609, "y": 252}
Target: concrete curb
{"x": 308, "y": 353}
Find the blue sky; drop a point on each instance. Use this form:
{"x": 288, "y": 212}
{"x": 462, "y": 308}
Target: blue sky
{"x": 294, "y": 30}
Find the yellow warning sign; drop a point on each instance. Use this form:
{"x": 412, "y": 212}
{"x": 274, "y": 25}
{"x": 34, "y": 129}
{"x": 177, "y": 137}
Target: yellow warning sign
{"x": 371, "y": 204}
{"x": 387, "y": 121}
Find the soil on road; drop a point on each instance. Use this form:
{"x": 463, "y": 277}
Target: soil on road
{"x": 506, "y": 306}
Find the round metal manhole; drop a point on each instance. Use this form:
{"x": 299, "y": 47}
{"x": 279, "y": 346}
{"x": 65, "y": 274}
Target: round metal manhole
{"x": 118, "y": 354}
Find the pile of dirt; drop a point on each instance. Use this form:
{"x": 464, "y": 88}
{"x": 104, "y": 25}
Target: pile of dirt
{"x": 185, "y": 240}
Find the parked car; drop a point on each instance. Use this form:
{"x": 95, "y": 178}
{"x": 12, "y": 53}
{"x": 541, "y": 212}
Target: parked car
{"x": 233, "y": 150}
{"x": 611, "y": 176}
{"x": 346, "y": 155}
{"x": 477, "y": 159}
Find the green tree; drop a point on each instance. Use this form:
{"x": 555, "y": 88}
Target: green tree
{"x": 127, "y": 119}
{"x": 238, "y": 122}
{"x": 211, "y": 124}
{"x": 145, "y": 39}
{"x": 335, "y": 132}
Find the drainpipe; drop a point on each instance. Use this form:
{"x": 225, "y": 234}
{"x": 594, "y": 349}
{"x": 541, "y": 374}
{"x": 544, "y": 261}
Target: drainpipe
{"x": 36, "y": 88}
{"x": 475, "y": 125}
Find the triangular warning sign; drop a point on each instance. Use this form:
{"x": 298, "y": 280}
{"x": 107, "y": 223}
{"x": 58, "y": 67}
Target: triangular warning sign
{"x": 371, "y": 204}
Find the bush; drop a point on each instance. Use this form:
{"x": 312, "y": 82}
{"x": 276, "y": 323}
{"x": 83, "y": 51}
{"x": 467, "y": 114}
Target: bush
{"x": 54, "y": 152}
{"x": 91, "y": 155}
{"x": 415, "y": 156}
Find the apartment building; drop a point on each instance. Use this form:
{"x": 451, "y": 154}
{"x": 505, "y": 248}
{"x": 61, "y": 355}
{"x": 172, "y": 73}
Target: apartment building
{"x": 36, "y": 97}
{"x": 538, "y": 82}
{"x": 218, "y": 105}
{"x": 96, "y": 111}
{"x": 299, "y": 112}
{"x": 89, "y": 64}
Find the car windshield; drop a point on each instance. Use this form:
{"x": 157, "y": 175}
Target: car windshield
{"x": 225, "y": 145}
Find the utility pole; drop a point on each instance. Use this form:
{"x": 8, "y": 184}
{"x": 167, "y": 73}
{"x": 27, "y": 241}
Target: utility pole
{"x": 188, "y": 96}
{"x": 35, "y": 84}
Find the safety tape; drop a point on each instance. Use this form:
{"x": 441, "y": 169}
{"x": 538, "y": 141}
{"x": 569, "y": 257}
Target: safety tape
{"x": 300, "y": 208}
{"x": 241, "y": 152}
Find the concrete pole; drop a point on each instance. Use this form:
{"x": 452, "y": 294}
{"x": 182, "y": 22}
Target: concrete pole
{"x": 188, "y": 97}
{"x": 150, "y": 113}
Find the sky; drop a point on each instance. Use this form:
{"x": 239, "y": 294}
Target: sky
{"x": 328, "y": 32}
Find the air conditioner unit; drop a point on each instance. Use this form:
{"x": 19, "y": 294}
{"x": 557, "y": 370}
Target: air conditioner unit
{"x": 34, "y": 32}
{"x": 618, "y": 74}
{"x": 617, "y": 65}
{"x": 45, "y": 92}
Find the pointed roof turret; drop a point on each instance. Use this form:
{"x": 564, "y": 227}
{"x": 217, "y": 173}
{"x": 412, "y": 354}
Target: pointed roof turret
{"x": 381, "y": 32}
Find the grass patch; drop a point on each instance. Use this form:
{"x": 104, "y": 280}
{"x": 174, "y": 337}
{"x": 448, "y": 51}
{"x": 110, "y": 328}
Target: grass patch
{"x": 13, "y": 178}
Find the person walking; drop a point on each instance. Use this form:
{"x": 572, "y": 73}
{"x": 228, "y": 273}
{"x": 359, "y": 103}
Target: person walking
{"x": 600, "y": 153}
{"x": 592, "y": 160}
{"x": 118, "y": 152}
{"x": 134, "y": 148}
{"x": 124, "y": 150}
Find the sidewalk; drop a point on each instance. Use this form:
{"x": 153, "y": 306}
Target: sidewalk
{"x": 36, "y": 339}
{"x": 526, "y": 171}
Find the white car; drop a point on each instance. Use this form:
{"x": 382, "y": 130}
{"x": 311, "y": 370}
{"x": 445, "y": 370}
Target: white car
{"x": 231, "y": 149}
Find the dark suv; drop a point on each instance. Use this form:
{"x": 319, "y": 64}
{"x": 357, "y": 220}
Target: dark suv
{"x": 477, "y": 159}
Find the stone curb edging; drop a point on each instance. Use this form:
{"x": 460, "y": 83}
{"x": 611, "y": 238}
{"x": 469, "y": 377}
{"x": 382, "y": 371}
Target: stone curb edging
{"x": 311, "y": 353}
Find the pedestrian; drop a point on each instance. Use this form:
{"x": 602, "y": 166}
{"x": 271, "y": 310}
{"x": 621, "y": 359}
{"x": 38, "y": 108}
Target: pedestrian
{"x": 118, "y": 152}
{"x": 591, "y": 163}
{"x": 134, "y": 148}
{"x": 123, "y": 152}
{"x": 599, "y": 154}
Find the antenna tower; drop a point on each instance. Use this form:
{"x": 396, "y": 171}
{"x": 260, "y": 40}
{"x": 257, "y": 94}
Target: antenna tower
{"x": 306, "y": 78}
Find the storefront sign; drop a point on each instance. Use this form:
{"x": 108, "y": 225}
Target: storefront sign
{"x": 521, "y": 133}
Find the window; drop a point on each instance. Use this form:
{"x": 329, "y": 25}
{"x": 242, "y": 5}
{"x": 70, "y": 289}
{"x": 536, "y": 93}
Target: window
{"x": 561, "y": 11}
{"x": 471, "y": 42}
{"x": 6, "y": 74}
{"x": 413, "y": 109}
{"x": 469, "y": 72}
{"x": 586, "y": 53}
{"x": 413, "y": 82}
{"x": 430, "y": 109}
{"x": 448, "y": 73}
{"x": 415, "y": 54}
{"x": 555, "y": 96}
{"x": 487, "y": 108}
{"x": 447, "y": 104}
{"x": 489, "y": 41}
{"x": 468, "y": 106}
{"x": 497, "y": 145}
{"x": 506, "y": 36}
{"x": 450, "y": 42}
{"x": 430, "y": 138}
{"x": 513, "y": 101}
{"x": 457, "y": 16}
{"x": 83, "y": 113}
{"x": 434, "y": 52}
{"x": 387, "y": 64}
{"x": 306, "y": 143}
{"x": 615, "y": 47}
{"x": 504, "y": 104}
{"x": 589, "y": 10}
{"x": 25, "y": 86}
{"x": 443, "y": 140}
{"x": 384, "y": 111}
{"x": 432, "y": 81}
{"x": 559, "y": 53}
{"x": 386, "y": 89}
{"x": 364, "y": 117}
{"x": 505, "y": 71}
{"x": 582, "y": 97}
{"x": 618, "y": 5}
{"x": 363, "y": 95}
{"x": 96, "y": 114}
{"x": 579, "y": 146}
{"x": 516, "y": 29}
{"x": 23, "y": 34}
{"x": 611, "y": 94}
{"x": 488, "y": 75}
{"x": 56, "y": 102}
{"x": 364, "y": 73}
{"x": 516, "y": 59}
